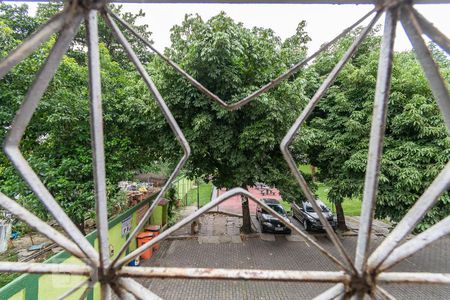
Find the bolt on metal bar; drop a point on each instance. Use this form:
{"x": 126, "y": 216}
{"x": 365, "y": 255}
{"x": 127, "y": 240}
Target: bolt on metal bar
{"x": 21, "y": 121}
{"x": 332, "y": 293}
{"x": 432, "y": 234}
{"x": 74, "y": 289}
{"x": 293, "y": 131}
{"x": 136, "y": 289}
{"x": 211, "y": 205}
{"x": 32, "y": 43}
{"x": 438, "y": 85}
{"x": 254, "y": 95}
{"x": 41, "y": 268}
{"x": 97, "y": 141}
{"x": 234, "y": 274}
{"x": 432, "y": 32}
{"x": 413, "y": 277}
{"x": 37, "y": 224}
{"x": 379, "y": 117}
{"x": 169, "y": 118}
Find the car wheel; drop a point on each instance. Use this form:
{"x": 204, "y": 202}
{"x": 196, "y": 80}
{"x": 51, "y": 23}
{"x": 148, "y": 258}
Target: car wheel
{"x": 306, "y": 225}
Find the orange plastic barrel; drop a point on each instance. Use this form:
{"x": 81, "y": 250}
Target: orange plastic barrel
{"x": 155, "y": 229}
{"x": 143, "y": 238}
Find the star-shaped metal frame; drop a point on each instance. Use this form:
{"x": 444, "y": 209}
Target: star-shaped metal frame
{"x": 357, "y": 278}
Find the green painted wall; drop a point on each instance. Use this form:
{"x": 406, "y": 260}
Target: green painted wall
{"x": 47, "y": 287}
{"x": 18, "y": 296}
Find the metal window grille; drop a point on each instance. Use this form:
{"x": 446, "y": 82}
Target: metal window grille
{"x": 359, "y": 276}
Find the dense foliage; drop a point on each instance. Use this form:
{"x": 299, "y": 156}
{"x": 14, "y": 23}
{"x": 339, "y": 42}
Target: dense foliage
{"x": 57, "y": 142}
{"x": 235, "y": 148}
{"x": 416, "y": 145}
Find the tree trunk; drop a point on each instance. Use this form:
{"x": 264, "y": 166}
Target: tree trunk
{"x": 81, "y": 227}
{"x": 340, "y": 217}
{"x": 313, "y": 173}
{"x": 246, "y": 221}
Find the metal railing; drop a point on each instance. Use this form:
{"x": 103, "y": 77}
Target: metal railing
{"x": 358, "y": 277}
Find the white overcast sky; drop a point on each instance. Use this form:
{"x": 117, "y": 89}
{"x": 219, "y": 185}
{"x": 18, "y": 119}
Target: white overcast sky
{"x": 323, "y": 21}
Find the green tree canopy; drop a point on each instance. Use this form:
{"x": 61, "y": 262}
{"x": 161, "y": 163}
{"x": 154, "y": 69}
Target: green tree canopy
{"x": 241, "y": 147}
{"x": 416, "y": 144}
{"x": 57, "y": 143}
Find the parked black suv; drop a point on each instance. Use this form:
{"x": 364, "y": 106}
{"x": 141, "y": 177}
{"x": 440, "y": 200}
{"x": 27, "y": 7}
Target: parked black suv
{"x": 309, "y": 218}
{"x": 270, "y": 223}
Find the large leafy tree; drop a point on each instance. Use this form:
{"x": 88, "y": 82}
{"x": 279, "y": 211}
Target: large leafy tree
{"x": 241, "y": 147}
{"x": 57, "y": 142}
{"x": 416, "y": 144}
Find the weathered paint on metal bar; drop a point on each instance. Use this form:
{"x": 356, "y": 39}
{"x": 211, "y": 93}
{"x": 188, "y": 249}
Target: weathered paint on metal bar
{"x": 40, "y": 268}
{"x": 235, "y": 274}
{"x": 413, "y": 277}
{"x": 169, "y": 118}
{"x": 379, "y": 116}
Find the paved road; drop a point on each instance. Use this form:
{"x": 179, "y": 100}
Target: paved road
{"x": 279, "y": 253}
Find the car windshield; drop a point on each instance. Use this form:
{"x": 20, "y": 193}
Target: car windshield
{"x": 324, "y": 208}
{"x": 278, "y": 208}
{"x": 310, "y": 209}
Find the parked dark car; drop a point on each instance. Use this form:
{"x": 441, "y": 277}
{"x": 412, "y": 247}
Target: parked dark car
{"x": 309, "y": 218}
{"x": 270, "y": 223}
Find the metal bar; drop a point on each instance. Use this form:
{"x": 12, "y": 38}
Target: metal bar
{"x": 255, "y": 94}
{"x": 432, "y": 32}
{"x": 32, "y": 43}
{"x": 287, "y": 140}
{"x": 416, "y": 277}
{"x": 234, "y": 274}
{"x": 85, "y": 292}
{"x": 334, "y": 2}
{"x": 275, "y": 1}
{"x": 440, "y": 184}
{"x": 332, "y": 293}
{"x": 169, "y": 118}
{"x": 417, "y": 243}
{"x": 438, "y": 85}
{"x": 41, "y": 268}
{"x": 40, "y": 226}
{"x": 209, "y": 206}
{"x": 136, "y": 289}
{"x": 121, "y": 293}
{"x": 21, "y": 121}
{"x": 74, "y": 289}
{"x": 385, "y": 294}
{"x": 97, "y": 141}
{"x": 379, "y": 116}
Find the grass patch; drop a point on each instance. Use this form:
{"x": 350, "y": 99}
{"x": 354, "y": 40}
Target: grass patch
{"x": 6, "y": 278}
{"x": 286, "y": 205}
{"x": 305, "y": 169}
{"x": 204, "y": 194}
{"x": 352, "y": 207}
